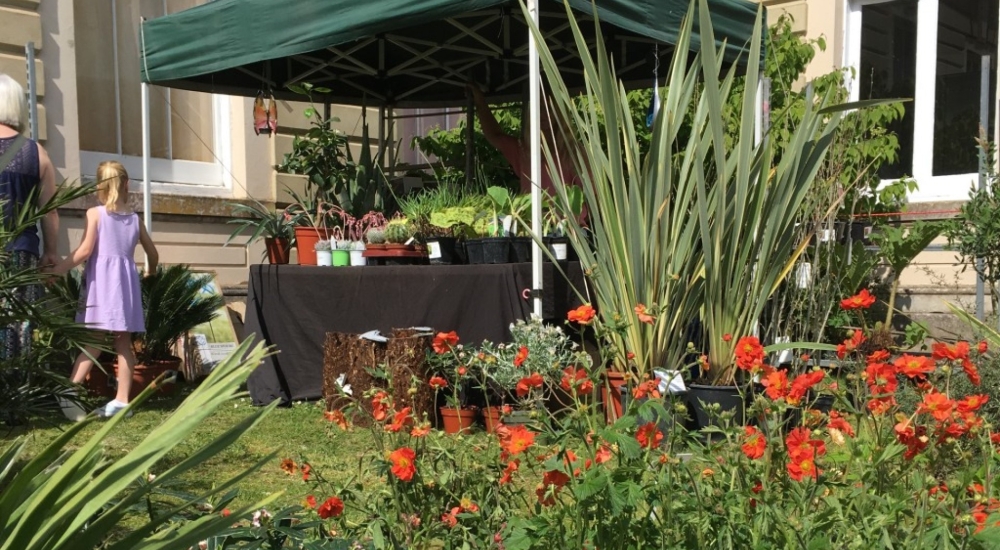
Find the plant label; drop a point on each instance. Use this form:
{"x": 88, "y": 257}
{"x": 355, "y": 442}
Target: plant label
{"x": 433, "y": 250}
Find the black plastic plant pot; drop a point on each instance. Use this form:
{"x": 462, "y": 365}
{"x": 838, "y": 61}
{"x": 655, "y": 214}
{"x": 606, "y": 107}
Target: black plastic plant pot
{"x": 442, "y": 250}
{"x": 665, "y": 424}
{"x": 520, "y": 248}
{"x": 496, "y": 250}
{"x": 474, "y": 251}
{"x": 727, "y": 397}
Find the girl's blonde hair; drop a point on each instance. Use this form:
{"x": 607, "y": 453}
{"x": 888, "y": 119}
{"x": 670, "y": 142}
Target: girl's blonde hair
{"x": 112, "y": 182}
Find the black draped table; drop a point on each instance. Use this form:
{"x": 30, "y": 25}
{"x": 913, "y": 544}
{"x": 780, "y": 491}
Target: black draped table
{"x": 293, "y": 307}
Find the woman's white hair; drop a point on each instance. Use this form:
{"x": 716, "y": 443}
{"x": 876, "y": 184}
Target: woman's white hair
{"x": 12, "y": 105}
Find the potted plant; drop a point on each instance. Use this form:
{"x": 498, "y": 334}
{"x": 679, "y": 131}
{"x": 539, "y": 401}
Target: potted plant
{"x": 376, "y": 238}
{"x": 340, "y": 248}
{"x": 277, "y": 227}
{"x": 174, "y": 303}
{"x": 314, "y": 215}
{"x": 450, "y": 363}
{"x": 324, "y": 255}
{"x": 398, "y": 234}
{"x": 508, "y": 215}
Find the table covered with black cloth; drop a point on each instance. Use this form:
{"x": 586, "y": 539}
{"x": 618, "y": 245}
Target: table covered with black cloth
{"x": 293, "y": 307}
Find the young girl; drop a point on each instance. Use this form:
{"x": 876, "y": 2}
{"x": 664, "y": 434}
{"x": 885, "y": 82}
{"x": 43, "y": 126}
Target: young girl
{"x": 110, "y": 288}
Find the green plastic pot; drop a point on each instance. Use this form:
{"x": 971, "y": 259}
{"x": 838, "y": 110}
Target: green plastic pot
{"x": 341, "y": 258}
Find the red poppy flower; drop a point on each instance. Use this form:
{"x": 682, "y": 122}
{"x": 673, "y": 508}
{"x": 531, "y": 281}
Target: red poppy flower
{"x": 525, "y": 384}
{"x": 310, "y": 503}
{"x": 515, "y": 440}
{"x": 522, "y": 356}
{"x": 938, "y": 405}
{"x": 861, "y": 300}
{"x": 914, "y": 366}
{"x": 582, "y": 315}
{"x": 306, "y": 470}
{"x": 438, "y": 382}
{"x": 509, "y": 471}
{"x": 336, "y": 417}
{"x": 753, "y": 443}
{"x": 332, "y": 508}
{"x": 749, "y": 353}
{"x": 399, "y": 420}
{"x": 402, "y": 463}
{"x": 942, "y": 351}
{"x": 840, "y": 424}
{"x": 577, "y": 379}
{"x": 776, "y": 384}
{"x": 643, "y": 314}
{"x": 380, "y": 407}
{"x": 444, "y": 341}
{"x": 649, "y": 436}
{"x": 552, "y": 481}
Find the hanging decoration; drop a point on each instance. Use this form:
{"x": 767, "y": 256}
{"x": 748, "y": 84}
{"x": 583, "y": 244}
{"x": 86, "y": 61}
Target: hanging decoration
{"x": 265, "y": 119}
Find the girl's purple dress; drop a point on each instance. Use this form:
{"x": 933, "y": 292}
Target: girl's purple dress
{"x": 110, "y": 290}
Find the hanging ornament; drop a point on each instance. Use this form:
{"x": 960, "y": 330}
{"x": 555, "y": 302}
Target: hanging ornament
{"x": 272, "y": 115}
{"x": 654, "y": 103}
{"x": 260, "y": 115}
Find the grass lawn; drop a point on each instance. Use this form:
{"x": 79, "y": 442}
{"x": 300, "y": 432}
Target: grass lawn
{"x": 294, "y": 432}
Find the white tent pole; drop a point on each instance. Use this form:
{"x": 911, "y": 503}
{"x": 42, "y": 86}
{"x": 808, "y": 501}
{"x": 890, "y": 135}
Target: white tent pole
{"x": 147, "y": 198}
{"x": 535, "y": 143}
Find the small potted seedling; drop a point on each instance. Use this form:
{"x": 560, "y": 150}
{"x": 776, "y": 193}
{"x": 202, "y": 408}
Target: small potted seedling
{"x": 324, "y": 255}
{"x": 340, "y": 248}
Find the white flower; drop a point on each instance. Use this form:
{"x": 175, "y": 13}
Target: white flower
{"x": 203, "y": 545}
{"x": 150, "y": 477}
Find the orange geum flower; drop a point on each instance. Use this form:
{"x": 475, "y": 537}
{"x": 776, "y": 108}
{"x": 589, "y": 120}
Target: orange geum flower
{"x": 840, "y": 424}
{"x": 380, "y": 407}
{"x": 552, "y": 482}
{"x": 403, "y": 466}
{"x": 509, "y": 471}
{"x": 517, "y": 440}
{"x": 749, "y": 353}
{"x": 522, "y": 356}
{"x": 648, "y": 435}
{"x": 914, "y": 366}
{"x": 336, "y": 417}
{"x": 525, "y": 384}
{"x": 753, "y": 443}
{"x": 938, "y": 405}
{"x": 776, "y": 384}
{"x": 803, "y": 467}
{"x": 861, "y": 300}
{"x": 438, "y": 382}
{"x": 643, "y": 314}
{"x": 332, "y": 508}
{"x": 421, "y": 430}
{"x": 444, "y": 341}
{"x": 582, "y": 315}
{"x": 399, "y": 420}
{"x": 288, "y": 466}
{"x": 942, "y": 351}
{"x": 972, "y": 403}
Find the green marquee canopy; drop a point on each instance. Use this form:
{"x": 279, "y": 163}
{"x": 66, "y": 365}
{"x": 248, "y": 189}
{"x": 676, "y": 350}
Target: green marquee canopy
{"x": 407, "y": 53}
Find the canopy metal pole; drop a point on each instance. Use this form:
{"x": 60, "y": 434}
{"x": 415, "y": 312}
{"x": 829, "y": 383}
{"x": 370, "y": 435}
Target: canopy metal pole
{"x": 147, "y": 197}
{"x": 29, "y": 54}
{"x": 470, "y": 137}
{"x": 984, "y": 123}
{"x": 535, "y": 143}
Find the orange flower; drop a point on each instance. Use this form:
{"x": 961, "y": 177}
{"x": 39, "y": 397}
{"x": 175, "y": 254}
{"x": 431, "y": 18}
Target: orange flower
{"x": 644, "y": 316}
{"x": 450, "y": 519}
{"x": 522, "y": 356}
{"x": 603, "y": 454}
{"x": 911, "y": 436}
{"x": 840, "y": 424}
{"x": 878, "y": 356}
{"x": 380, "y": 409}
{"x": 881, "y": 378}
{"x": 861, "y": 300}
{"x": 306, "y": 471}
{"x": 461, "y": 370}
{"x": 938, "y": 405}
{"x": 972, "y": 403}
{"x": 582, "y": 315}
{"x": 336, "y": 417}
{"x": 982, "y": 347}
{"x": 402, "y": 463}
{"x": 753, "y": 443}
{"x": 576, "y": 379}
{"x": 942, "y": 351}
{"x": 777, "y": 384}
{"x": 399, "y": 420}
{"x": 509, "y": 471}
{"x": 802, "y": 384}
{"x": 914, "y": 366}
{"x": 727, "y": 337}
{"x": 288, "y": 466}
{"x": 444, "y": 341}
{"x": 310, "y": 502}
{"x": 438, "y": 383}
{"x": 649, "y": 388}
{"x": 801, "y": 468}
{"x": 552, "y": 481}
{"x": 517, "y": 439}
{"x": 421, "y": 430}
{"x": 649, "y": 436}
{"x": 749, "y": 353}
{"x": 972, "y": 372}
{"x": 800, "y": 445}
{"x": 525, "y": 384}
{"x": 332, "y": 508}
{"x": 881, "y": 405}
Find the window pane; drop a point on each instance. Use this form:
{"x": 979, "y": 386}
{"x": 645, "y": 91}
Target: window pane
{"x": 967, "y": 30}
{"x": 888, "y": 69}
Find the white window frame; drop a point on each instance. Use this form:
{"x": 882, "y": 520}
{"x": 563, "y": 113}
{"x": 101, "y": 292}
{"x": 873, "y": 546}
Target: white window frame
{"x": 932, "y": 188}
{"x": 171, "y": 176}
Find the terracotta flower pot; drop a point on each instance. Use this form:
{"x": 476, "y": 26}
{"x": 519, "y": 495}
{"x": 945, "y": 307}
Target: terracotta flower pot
{"x": 145, "y": 374}
{"x": 492, "y": 418}
{"x": 457, "y": 420}
{"x": 98, "y": 383}
{"x": 612, "y": 402}
{"x": 277, "y": 250}
{"x": 305, "y": 242}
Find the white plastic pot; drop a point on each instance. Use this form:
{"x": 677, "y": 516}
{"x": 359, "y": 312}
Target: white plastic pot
{"x": 324, "y": 257}
{"x": 559, "y": 250}
{"x": 357, "y": 259}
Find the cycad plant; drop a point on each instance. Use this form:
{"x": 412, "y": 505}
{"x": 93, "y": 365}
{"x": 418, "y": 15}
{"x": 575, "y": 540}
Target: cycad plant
{"x": 62, "y": 500}
{"x": 701, "y": 225}
{"x": 174, "y": 304}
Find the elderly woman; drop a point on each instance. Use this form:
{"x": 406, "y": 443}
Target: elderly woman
{"x": 28, "y": 174}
